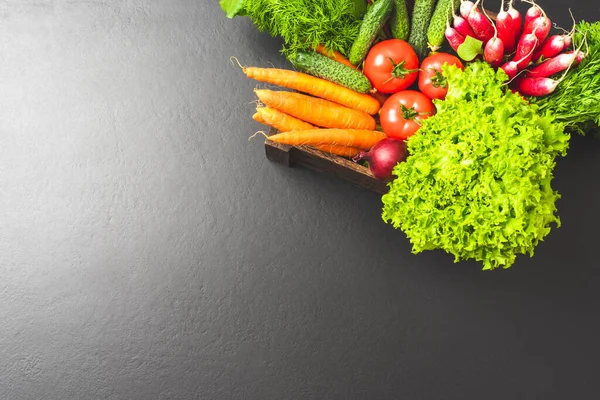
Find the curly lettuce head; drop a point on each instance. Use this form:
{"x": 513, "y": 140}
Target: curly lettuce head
{"x": 477, "y": 181}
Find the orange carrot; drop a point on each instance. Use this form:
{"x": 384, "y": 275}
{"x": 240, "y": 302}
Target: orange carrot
{"x": 315, "y": 86}
{"x": 281, "y": 121}
{"x": 316, "y": 111}
{"x": 334, "y": 55}
{"x": 344, "y": 151}
{"x": 286, "y": 123}
{"x": 361, "y": 138}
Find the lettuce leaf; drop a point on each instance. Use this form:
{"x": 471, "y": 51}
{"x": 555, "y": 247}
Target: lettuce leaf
{"x": 477, "y": 181}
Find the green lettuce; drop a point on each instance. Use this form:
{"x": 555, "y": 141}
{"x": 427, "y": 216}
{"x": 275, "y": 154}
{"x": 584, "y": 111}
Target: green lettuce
{"x": 477, "y": 183}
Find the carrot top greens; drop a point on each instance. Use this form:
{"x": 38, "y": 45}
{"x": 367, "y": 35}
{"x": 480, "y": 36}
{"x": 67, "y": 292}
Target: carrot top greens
{"x": 576, "y": 101}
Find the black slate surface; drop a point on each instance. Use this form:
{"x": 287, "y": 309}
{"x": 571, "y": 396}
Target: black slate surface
{"x": 149, "y": 251}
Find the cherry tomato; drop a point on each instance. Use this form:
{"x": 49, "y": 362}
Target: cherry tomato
{"x": 431, "y": 80}
{"x": 391, "y": 65}
{"x": 401, "y": 113}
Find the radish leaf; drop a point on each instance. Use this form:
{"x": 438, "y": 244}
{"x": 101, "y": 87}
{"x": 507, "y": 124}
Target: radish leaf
{"x": 470, "y": 48}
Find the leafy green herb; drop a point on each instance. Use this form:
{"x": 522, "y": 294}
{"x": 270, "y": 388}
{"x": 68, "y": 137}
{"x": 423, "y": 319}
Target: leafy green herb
{"x": 576, "y": 100}
{"x": 303, "y": 23}
{"x": 477, "y": 182}
{"x": 232, "y": 7}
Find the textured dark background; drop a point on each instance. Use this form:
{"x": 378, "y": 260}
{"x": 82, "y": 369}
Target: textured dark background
{"x": 149, "y": 251}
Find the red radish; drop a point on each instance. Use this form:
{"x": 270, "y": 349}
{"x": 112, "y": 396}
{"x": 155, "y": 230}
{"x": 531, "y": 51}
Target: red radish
{"x": 556, "y": 64}
{"x": 539, "y": 85}
{"x": 536, "y": 87}
{"x": 541, "y": 26}
{"x": 493, "y": 53}
{"x": 512, "y": 67}
{"x": 482, "y": 26}
{"x": 533, "y": 12}
{"x": 554, "y": 44}
{"x": 454, "y": 38}
{"x": 525, "y": 48}
{"x": 552, "y": 47}
{"x": 383, "y": 157}
{"x": 516, "y": 20}
{"x": 465, "y": 8}
{"x": 504, "y": 25}
{"x": 462, "y": 26}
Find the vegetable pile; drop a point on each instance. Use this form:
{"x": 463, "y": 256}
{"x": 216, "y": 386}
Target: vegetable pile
{"x": 462, "y": 114}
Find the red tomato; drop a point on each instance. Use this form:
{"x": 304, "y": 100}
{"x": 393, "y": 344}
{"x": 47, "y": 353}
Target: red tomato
{"x": 391, "y": 65}
{"x": 431, "y": 80}
{"x": 401, "y": 113}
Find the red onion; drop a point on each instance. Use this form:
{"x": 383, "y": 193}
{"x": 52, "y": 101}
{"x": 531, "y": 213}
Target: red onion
{"x": 383, "y": 157}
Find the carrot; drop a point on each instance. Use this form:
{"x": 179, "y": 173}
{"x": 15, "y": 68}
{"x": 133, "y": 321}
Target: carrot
{"x": 334, "y": 55}
{"x": 344, "y": 151}
{"x": 316, "y": 111}
{"x": 285, "y": 123}
{"x": 279, "y": 120}
{"x": 361, "y": 138}
{"x": 315, "y": 86}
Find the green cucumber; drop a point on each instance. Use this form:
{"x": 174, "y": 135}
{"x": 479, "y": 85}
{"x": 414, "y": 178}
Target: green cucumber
{"x": 374, "y": 20}
{"x": 443, "y": 12}
{"x": 326, "y": 68}
{"x": 418, "y": 26}
{"x": 400, "y": 24}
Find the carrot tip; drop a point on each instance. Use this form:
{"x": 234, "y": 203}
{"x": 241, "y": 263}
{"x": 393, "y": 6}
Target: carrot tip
{"x": 234, "y": 58}
{"x": 256, "y": 133}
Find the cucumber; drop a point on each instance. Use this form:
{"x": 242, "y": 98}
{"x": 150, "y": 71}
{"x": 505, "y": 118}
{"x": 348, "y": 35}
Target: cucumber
{"x": 418, "y": 26}
{"x": 374, "y": 20}
{"x": 400, "y": 24}
{"x": 326, "y": 68}
{"x": 443, "y": 12}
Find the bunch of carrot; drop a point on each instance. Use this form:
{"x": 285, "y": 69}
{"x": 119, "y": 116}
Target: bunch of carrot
{"x": 318, "y": 113}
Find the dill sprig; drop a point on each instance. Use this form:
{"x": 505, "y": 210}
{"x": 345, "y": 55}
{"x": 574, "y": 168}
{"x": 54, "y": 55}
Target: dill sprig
{"x": 306, "y": 23}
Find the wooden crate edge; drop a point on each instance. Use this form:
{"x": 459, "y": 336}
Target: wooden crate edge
{"x": 319, "y": 161}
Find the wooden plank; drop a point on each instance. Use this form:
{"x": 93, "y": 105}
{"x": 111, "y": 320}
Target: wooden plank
{"x": 316, "y": 160}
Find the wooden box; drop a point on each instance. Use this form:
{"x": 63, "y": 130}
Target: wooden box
{"x": 316, "y": 160}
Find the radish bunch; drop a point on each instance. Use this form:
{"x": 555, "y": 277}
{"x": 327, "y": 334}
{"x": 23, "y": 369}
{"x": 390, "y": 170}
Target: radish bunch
{"x": 520, "y": 46}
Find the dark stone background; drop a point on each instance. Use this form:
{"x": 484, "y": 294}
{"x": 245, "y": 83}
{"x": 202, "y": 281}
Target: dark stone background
{"x": 149, "y": 251}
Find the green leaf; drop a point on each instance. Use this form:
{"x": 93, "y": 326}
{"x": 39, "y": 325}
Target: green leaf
{"x": 470, "y": 48}
{"x": 360, "y": 8}
{"x": 232, "y": 7}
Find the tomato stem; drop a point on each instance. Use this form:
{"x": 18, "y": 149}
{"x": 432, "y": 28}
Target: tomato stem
{"x": 399, "y": 71}
{"x": 410, "y": 113}
{"x": 439, "y": 80}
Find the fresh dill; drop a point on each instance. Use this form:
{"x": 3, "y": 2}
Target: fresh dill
{"x": 303, "y": 23}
